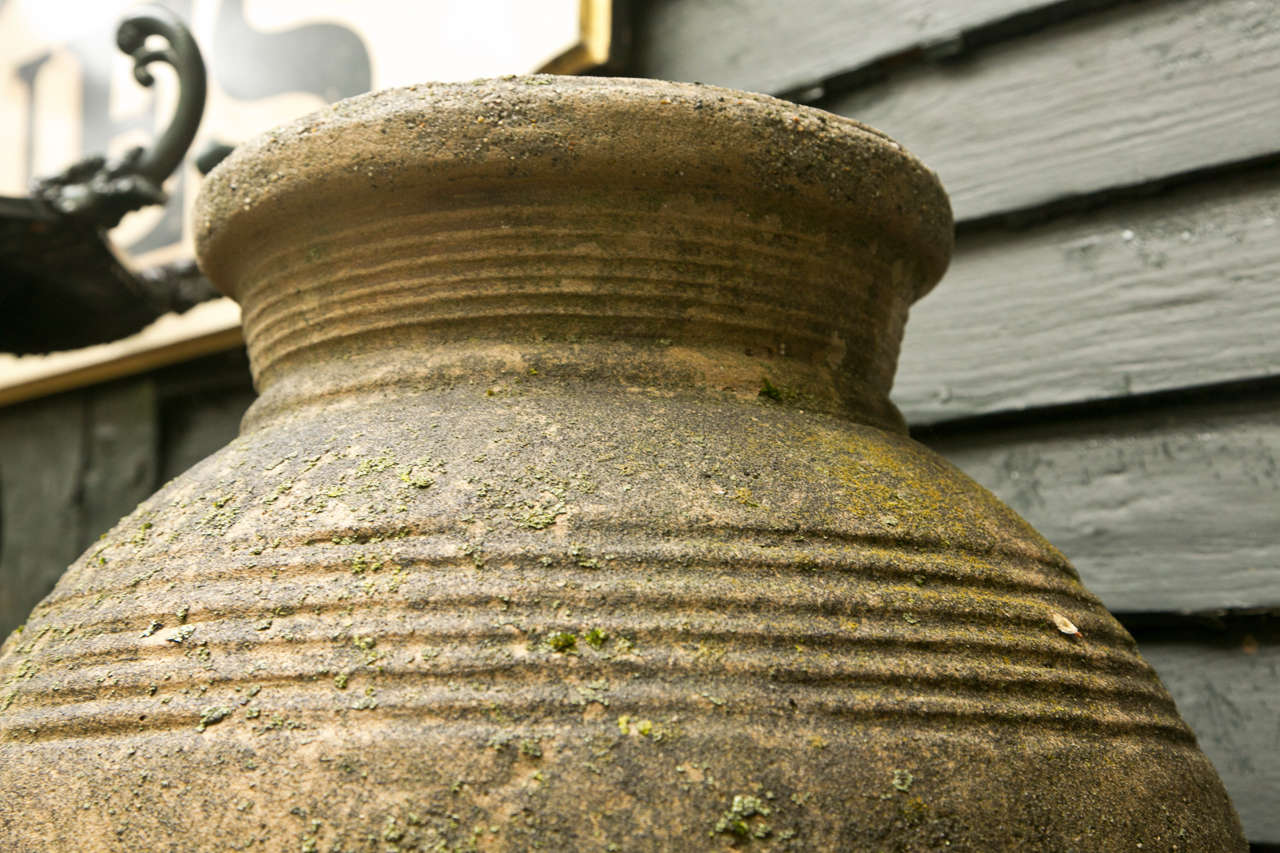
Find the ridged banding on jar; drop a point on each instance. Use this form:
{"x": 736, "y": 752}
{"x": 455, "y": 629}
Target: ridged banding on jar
{"x": 660, "y": 298}
{"x": 861, "y": 629}
{"x": 740, "y": 232}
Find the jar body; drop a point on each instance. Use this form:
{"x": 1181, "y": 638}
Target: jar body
{"x": 533, "y": 612}
{"x": 574, "y": 515}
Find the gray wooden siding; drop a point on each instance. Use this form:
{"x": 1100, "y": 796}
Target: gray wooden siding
{"x": 1124, "y": 97}
{"x": 42, "y": 459}
{"x": 1141, "y": 295}
{"x": 788, "y": 47}
{"x": 70, "y": 467}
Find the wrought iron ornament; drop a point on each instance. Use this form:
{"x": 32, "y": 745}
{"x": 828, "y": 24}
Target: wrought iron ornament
{"x": 62, "y": 285}
{"x": 105, "y": 190}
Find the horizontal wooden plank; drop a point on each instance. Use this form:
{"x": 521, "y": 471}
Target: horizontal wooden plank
{"x": 122, "y": 445}
{"x": 42, "y": 457}
{"x": 1171, "y": 510}
{"x": 1116, "y": 98}
{"x": 1229, "y": 695}
{"x": 767, "y": 46}
{"x": 1175, "y": 290}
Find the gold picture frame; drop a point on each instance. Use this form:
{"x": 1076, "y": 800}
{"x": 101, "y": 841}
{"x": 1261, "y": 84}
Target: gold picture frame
{"x": 595, "y": 40}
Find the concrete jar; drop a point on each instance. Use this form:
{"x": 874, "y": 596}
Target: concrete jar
{"x": 574, "y": 515}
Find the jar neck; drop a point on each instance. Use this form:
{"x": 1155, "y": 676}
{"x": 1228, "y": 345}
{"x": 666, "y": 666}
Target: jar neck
{"x": 678, "y": 292}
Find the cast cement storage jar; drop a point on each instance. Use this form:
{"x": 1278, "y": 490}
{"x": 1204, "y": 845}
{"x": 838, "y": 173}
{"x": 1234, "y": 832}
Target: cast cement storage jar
{"x": 574, "y": 515}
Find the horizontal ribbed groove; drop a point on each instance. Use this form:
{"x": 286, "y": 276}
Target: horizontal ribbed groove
{"x": 437, "y": 697}
{"x": 758, "y": 559}
{"x": 659, "y": 596}
{"x": 479, "y": 316}
{"x": 466, "y": 226}
{"x": 653, "y": 621}
{"x": 883, "y": 546}
{"x": 472, "y": 271}
{"x": 643, "y": 612}
{"x": 818, "y": 658}
{"x": 922, "y": 627}
{"x": 758, "y": 556}
{"x": 775, "y": 549}
{"x": 432, "y": 301}
{"x": 350, "y": 259}
{"x": 357, "y": 267}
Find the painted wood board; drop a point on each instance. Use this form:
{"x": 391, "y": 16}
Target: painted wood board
{"x": 1175, "y": 290}
{"x": 122, "y": 446}
{"x": 1116, "y": 98}
{"x": 1229, "y": 695}
{"x": 71, "y": 466}
{"x": 767, "y": 46}
{"x": 42, "y": 457}
{"x": 1169, "y": 510}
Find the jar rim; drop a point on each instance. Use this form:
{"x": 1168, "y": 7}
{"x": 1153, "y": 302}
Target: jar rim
{"x": 445, "y": 136}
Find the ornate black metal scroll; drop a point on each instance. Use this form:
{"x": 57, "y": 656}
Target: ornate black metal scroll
{"x": 104, "y": 190}
{"x": 61, "y": 285}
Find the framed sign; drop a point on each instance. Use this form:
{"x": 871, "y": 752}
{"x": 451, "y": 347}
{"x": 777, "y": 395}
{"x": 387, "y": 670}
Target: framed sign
{"x": 66, "y": 93}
